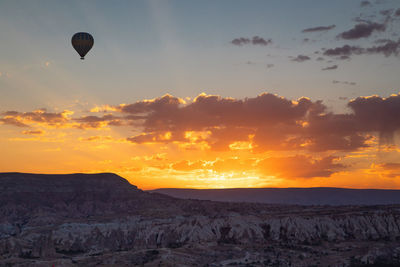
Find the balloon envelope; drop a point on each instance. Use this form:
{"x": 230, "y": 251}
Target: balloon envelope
{"x": 82, "y": 43}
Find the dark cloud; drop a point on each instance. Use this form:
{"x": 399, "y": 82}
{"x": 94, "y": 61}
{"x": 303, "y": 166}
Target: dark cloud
{"x": 329, "y": 131}
{"x": 301, "y": 58}
{"x": 397, "y": 13}
{"x": 226, "y": 119}
{"x": 345, "y": 50}
{"x": 320, "y": 59}
{"x": 240, "y": 41}
{"x": 362, "y": 30}
{"x": 260, "y": 41}
{"x": 319, "y": 28}
{"x": 343, "y": 82}
{"x": 378, "y": 114}
{"x": 382, "y": 41}
{"x": 256, "y": 40}
{"x": 365, "y": 3}
{"x": 334, "y": 67}
{"x": 165, "y": 103}
{"x": 389, "y": 48}
{"x": 299, "y": 166}
{"x": 98, "y": 122}
{"x": 275, "y": 123}
{"x": 386, "y": 47}
{"x": 270, "y": 66}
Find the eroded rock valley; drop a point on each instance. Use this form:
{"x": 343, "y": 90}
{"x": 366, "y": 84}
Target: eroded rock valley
{"x": 101, "y": 219}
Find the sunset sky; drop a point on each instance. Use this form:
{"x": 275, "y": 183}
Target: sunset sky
{"x": 204, "y": 94}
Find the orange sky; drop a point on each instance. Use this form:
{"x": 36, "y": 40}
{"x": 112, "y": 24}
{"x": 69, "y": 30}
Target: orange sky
{"x": 212, "y": 142}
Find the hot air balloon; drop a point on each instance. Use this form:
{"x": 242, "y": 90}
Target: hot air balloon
{"x": 82, "y": 43}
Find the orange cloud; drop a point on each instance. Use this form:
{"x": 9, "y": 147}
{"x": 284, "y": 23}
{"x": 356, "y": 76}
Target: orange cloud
{"x": 389, "y": 170}
{"x": 39, "y": 117}
{"x": 299, "y": 166}
{"x": 186, "y": 165}
{"x": 212, "y": 139}
{"x": 33, "y": 132}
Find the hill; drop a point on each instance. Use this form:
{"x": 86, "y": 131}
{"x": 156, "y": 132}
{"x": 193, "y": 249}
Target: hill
{"x": 291, "y": 196}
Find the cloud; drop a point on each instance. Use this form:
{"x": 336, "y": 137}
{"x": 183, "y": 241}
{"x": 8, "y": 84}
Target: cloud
{"x": 240, "y": 41}
{"x": 378, "y": 114}
{"x": 225, "y": 119}
{"x": 103, "y": 108}
{"x": 362, "y": 30}
{"x": 256, "y": 40}
{"x": 386, "y": 47}
{"x": 13, "y": 121}
{"x": 365, "y": 3}
{"x": 387, "y": 170}
{"x": 334, "y": 67}
{"x": 299, "y": 166}
{"x": 345, "y": 50}
{"x": 290, "y": 167}
{"x": 258, "y": 124}
{"x": 390, "y": 166}
{"x": 329, "y": 132}
{"x": 397, "y": 13}
{"x": 319, "y": 28}
{"x": 264, "y": 123}
{"x": 98, "y": 122}
{"x": 155, "y": 137}
{"x": 186, "y": 165}
{"x": 344, "y": 82}
{"x": 40, "y": 116}
{"x": 261, "y": 41}
{"x": 301, "y": 58}
{"x": 96, "y": 138}
{"x": 33, "y": 132}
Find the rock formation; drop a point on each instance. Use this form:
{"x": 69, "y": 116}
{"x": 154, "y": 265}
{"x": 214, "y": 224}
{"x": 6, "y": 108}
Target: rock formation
{"x": 94, "y": 219}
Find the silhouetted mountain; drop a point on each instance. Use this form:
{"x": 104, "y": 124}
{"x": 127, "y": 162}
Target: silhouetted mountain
{"x": 293, "y": 196}
{"x": 101, "y": 219}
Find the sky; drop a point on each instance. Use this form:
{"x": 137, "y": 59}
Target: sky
{"x": 204, "y": 94}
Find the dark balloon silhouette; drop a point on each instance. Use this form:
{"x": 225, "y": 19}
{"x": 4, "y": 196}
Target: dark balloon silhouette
{"x": 82, "y": 43}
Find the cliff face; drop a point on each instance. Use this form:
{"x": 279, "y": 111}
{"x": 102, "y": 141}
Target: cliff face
{"x": 91, "y": 219}
{"x": 63, "y": 183}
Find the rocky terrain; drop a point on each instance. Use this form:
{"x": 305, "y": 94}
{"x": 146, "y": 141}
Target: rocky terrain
{"x": 101, "y": 219}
